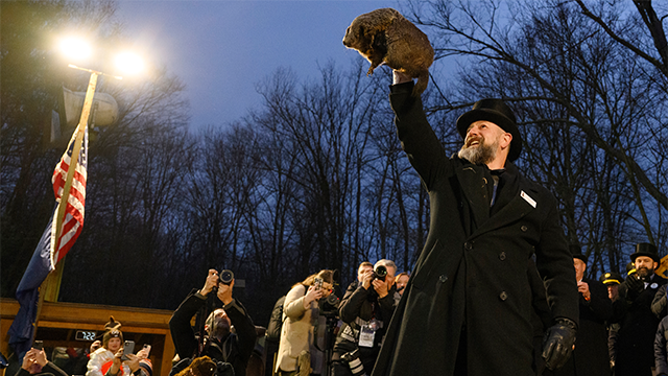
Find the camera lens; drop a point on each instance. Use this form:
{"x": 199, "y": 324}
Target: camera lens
{"x": 380, "y": 272}
{"x": 226, "y": 277}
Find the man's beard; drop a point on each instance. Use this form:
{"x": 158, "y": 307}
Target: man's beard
{"x": 481, "y": 154}
{"x": 645, "y": 273}
{"x": 221, "y": 328}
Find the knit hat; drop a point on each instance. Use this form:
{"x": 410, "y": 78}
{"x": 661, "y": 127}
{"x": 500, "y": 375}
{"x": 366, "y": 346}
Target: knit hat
{"x": 112, "y": 330}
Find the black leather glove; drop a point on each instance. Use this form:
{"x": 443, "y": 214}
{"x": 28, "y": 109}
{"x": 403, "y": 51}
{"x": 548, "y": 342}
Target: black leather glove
{"x": 634, "y": 285}
{"x": 558, "y": 344}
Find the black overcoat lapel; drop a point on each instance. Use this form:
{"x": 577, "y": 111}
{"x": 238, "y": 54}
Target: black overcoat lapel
{"x": 524, "y": 202}
{"x": 475, "y": 190}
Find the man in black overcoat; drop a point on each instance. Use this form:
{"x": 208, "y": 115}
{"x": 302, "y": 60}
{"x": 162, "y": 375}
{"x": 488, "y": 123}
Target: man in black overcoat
{"x": 467, "y": 308}
{"x": 590, "y": 356}
{"x": 635, "y": 339}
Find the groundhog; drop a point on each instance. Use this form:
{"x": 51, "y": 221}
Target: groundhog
{"x": 385, "y": 36}
{"x": 202, "y": 366}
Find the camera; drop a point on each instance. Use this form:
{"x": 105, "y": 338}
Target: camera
{"x": 38, "y": 344}
{"x": 353, "y": 360}
{"x": 226, "y": 277}
{"x": 329, "y": 306}
{"x": 380, "y": 273}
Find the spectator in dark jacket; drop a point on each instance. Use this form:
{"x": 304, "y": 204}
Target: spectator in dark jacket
{"x": 366, "y": 310}
{"x": 590, "y": 356}
{"x": 219, "y": 342}
{"x": 612, "y": 282}
{"x": 35, "y": 363}
{"x": 660, "y": 359}
{"x": 639, "y": 324}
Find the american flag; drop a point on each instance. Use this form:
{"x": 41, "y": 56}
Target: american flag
{"x": 47, "y": 255}
{"x": 74, "y": 211}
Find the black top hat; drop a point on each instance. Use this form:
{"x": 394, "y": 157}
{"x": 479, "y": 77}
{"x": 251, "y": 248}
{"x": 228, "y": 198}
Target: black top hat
{"x": 496, "y": 111}
{"x": 610, "y": 278}
{"x": 576, "y": 251}
{"x": 645, "y": 249}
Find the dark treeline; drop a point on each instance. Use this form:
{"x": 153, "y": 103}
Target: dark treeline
{"x": 315, "y": 178}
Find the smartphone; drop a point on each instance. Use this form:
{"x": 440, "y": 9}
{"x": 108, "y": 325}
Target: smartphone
{"x": 39, "y": 345}
{"x": 317, "y": 283}
{"x": 147, "y": 348}
{"x": 128, "y": 348}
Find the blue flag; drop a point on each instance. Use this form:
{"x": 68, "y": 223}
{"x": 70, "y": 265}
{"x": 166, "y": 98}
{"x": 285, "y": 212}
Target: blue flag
{"x": 27, "y": 294}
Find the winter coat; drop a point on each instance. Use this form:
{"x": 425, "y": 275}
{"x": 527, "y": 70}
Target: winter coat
{"x": 471, "y": 278}
{"x": 100, "y": 362}
{"x": 660, "y": 339}
{"x": 236, "y": 348}
{"x": 356, "y": 309}
{"x": 637, "y": 330}
{"x": 590, "y": 356}
{"x": 298, "y": 334}
{"x": 49, "y": 369}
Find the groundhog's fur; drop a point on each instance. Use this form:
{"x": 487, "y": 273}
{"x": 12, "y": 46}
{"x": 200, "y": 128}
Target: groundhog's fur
{"x": 202, "y": 366}
{"x": 385, "y": 36}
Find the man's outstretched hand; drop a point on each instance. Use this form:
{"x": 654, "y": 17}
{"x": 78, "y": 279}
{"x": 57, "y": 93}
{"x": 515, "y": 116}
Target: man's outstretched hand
{"x": 400, "y": 78}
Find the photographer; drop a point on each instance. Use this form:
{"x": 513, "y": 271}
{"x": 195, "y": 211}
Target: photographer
{"x": 219, "y": 342}
{"x": 297, "y": 352}
{"x": 366, "y": 310}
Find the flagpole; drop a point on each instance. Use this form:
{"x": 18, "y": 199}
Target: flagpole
{"x": 52, "y": 283}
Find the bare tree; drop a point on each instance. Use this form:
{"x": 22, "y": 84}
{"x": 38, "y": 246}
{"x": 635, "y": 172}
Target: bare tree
{"x": 582, "y": 99}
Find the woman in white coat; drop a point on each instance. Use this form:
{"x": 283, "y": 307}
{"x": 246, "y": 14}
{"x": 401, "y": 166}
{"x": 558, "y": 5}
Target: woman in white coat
{"x": 296, "y": 352}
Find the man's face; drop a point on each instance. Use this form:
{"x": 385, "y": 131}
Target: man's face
{"x": 401, "y": 283}
{"x": 221, "y": 323}
{"x": 114, "y": 344}
{"x": 362, "y": 271}
{"x": 482, "y": 142}
{"x": 613, "y": 291}
{"x": 580, "y": 267}
{"x": 645, "y": 266}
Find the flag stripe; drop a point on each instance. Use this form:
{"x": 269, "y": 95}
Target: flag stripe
{"x": 75, "y": 206}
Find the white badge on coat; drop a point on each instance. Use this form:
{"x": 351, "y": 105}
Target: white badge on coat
{"x": 367, "y": 335}
{"x": 528, "y": 199}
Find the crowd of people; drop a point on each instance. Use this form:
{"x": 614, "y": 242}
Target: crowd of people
{"x": 496, "y": 289}
{"x": 622, "y": 327}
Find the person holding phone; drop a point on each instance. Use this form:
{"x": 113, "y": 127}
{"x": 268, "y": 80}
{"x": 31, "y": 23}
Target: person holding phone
{"x": 35, "y": 363}
{"x": 297, "y": 353}
{"x": 127, "y": 359}
{"x": 106, "y": 360}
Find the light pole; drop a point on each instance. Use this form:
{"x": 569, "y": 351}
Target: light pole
{"x": 52, "y": 287}
{"x": 80, "y": 131}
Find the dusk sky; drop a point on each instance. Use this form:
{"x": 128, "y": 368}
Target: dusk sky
{"x": 221, "y": 49}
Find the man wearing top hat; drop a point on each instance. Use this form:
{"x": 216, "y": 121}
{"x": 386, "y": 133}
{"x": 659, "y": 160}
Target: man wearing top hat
{"x": 634, "y": 346}
{"x": 467, "y": 308}
{"x": 590, "y": 356}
